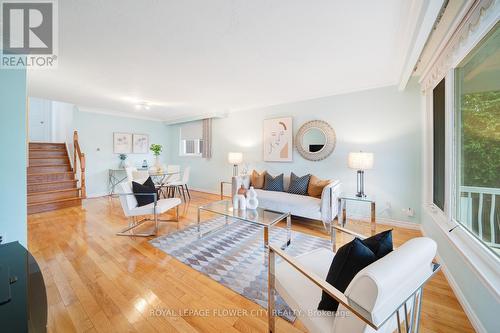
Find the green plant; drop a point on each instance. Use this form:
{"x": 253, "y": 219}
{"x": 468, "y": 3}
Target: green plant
{"x": 156, "y": 149}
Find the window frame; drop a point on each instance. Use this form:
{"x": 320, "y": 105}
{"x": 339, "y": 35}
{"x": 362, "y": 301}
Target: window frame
{"x": 476, "y": 255}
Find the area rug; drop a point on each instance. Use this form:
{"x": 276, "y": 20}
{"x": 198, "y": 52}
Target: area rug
{"x": 235, "y": 255}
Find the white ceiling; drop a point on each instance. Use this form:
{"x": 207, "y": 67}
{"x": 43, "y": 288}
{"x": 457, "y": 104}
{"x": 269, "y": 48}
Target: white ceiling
{"x": 189, "y": 57}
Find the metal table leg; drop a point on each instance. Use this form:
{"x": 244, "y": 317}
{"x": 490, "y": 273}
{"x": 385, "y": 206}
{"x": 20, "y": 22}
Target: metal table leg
{"x": 372, "y": 222}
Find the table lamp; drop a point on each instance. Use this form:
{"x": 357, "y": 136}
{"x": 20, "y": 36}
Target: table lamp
{"x": 360, "y": 161}
{"x": 235, "y": 159}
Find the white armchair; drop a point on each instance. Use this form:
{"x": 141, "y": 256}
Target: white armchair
{"x": 132, "y": 211}
{"x": 381, "y": 296}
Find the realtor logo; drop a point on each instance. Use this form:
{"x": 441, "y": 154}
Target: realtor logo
{"x": 28, "y": 33}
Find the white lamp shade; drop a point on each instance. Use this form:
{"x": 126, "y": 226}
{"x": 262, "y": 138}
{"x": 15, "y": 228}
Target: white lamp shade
{"x": 360, "y": 161}
{"x": 235, "y": 158}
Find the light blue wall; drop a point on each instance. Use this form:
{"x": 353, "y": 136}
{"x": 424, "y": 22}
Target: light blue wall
{"x": 383, "y": 121}
{"x": 13, "y": 158}
{"x": 96, "y": 139}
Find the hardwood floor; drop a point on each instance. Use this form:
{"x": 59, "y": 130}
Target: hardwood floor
{"x": 99, "y": 282}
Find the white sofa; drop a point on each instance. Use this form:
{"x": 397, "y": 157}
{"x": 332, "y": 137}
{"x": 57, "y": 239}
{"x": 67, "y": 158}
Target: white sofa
{"x": 324, "y": 209}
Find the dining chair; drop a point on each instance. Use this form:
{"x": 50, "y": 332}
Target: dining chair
{"x": 181, "y": 186}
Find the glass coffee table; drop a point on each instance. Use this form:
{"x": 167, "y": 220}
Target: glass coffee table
{"x": 259, "y": 216}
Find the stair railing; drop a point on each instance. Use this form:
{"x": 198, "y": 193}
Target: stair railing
{"x": 79, "y": 164}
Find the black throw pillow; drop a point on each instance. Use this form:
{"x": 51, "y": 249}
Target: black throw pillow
{"x": 147, "y": 187}
{"x": 380, "y": 244}
{"x": 348, "y": 261}
{"x": 299, "y": 185}
{"x": 274, "y": 183}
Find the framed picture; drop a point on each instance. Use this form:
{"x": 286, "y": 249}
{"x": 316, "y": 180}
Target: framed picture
{"x": 122, "y": 143}
{"x": 278, "y": 140}
{"x": 141, "y": 143}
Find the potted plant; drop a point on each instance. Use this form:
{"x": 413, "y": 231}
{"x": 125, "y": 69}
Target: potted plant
{"x": 156, "y": 149}
{"x": 123, "y": 164}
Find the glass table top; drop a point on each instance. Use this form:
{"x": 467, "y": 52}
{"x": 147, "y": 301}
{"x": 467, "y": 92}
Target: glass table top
{"x": 258, "y": 216}
{"x": 355, "y": 198}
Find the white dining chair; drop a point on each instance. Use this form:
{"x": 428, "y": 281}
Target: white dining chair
{"x": 135, "y": 175}
{"x": 182, "y": 185}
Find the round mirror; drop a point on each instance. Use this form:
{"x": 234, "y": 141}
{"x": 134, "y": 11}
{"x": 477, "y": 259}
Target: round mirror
{"x": 313, "y": 140}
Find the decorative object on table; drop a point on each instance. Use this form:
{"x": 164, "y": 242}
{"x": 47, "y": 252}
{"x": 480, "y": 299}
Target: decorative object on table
{"x": 257, "y": 180}
{"x": 278, "y": 140}
{"x": 274, "y": 183}
{"x": 299, "y": 185}
{"x": 242, "y": 202}
{"x": 235, "y": 159}
{"x": 315, "y": 140}
{"x": 140, "y": 143}
{"x": 235, "y": 257}
{"x": 242, "y": 190}
{"x": 144, "y": 164}
{"x": 122, "y": 143}
{"x": 252, "y": 202}
{"x": 123, "y": 163}
{"x": 156, "y": 149}
{"x": 360, "y": 161}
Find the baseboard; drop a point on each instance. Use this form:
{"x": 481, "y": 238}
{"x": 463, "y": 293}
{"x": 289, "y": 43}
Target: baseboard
{"x": 461, "y": 298}
{"x": 469, "y": 311}
{"x": 204, "y": 190}
{"x": 386, "y": 221}
{"x": 97, "y": 195}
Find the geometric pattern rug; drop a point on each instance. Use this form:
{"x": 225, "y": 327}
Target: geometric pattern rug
{"x": 235, "y": 255}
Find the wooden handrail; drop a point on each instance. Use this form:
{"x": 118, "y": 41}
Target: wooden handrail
{"x": 78, "y": 156}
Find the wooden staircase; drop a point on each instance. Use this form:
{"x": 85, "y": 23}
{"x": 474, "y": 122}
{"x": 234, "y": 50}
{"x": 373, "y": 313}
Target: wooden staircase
{"x": 52, "y": 182}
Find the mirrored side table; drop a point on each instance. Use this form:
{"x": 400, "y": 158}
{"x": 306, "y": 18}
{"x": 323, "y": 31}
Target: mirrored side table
{"x": 343, "y": 214}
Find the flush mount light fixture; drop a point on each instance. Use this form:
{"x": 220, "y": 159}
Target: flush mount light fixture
{"x": 143, "y": 106}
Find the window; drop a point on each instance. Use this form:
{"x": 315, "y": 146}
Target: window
{"x": 191, "y": 139}
{"x": 477, "y": 141}
{"x": 438, "y": 112}
{"x": 191, "y": 147}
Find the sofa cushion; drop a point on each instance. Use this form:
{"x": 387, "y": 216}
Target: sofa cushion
{"x": 380, "y": 244}
{"x": 274, "y": 183}
{"x": 316, "y": 186}
{"x": 257, "y": 180}
{"x": 349, "y": 260}
{"x": 299, "y": 205}
{"x": 298, "y": 185}
{"x": 147, "y": 187}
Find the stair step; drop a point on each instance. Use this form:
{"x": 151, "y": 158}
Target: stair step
{"x": 46, "y": 145}
{"x": 50, "y": 177}
{"x": 52, "y": 186}
{"x": 53, "y": 195}
{"x": 55, "y": 160}
{"x": 47, "y": 153}
{"x": 53, "y": 205}
{"x": 49, "y": 168}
